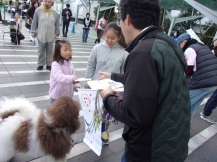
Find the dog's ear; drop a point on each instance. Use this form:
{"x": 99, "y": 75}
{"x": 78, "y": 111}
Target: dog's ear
{"x": 64, "y": 113}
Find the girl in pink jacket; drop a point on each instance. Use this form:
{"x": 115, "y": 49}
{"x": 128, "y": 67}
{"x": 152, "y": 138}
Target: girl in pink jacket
{"x": 62, "y": 77}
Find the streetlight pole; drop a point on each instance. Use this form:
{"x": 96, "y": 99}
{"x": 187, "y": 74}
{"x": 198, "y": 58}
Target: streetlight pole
{"x": 62, "y": 3}
{"x": 89, "y": 6}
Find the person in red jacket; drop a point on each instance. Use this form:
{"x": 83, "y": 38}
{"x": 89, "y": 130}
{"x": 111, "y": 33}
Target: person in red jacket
{"x": 100, "y": 26}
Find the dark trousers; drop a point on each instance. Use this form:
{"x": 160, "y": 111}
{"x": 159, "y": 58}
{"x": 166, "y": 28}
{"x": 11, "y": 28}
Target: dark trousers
{"x": 99, "y": 35}
{"x": 14, "y": 36}
{"x": 211, "y": 104}
{"x": 65, "y": 25}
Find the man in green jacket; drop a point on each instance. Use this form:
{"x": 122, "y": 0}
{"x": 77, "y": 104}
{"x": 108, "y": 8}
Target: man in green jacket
{"x": 155, "y": 107}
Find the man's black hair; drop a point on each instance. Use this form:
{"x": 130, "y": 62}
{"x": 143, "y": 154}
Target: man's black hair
{"x": 143, "y": 13}
{"x": 67, "y": 5}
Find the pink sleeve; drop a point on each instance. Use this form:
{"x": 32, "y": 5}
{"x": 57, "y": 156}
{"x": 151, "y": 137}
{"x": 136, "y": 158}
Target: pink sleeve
{"x": 190, "y": 56}
{"x": 59, "y": 76}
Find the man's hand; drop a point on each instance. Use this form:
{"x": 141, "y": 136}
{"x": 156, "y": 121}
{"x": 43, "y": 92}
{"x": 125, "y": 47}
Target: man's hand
{"x": 106, "y": 91}
{"x": 104, "y": 75}
{"x": 33, "y": 34}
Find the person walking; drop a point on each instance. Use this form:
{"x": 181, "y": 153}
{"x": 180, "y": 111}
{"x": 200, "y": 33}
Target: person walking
{"x": 46, "y": 24}
{"x": 10, "y": 6}
{"x": 66, "y": 15}
{"x": 62, "y": 78}
{"x": 108, "y": 56}
{"x": 31, "y": 11}
{"x": 29, "y": 16}
{"x": 155, "y": 107}
{"x": 101, "y": 24}
{"x": 202, "y": 69}
{"x": 86, "y": 27}
{"x": 16, "y": 5}
{"x": 211, "y": 104}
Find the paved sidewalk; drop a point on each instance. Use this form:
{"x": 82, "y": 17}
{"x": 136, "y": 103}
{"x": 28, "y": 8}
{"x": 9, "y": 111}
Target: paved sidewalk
{"x": 18, "y": 77}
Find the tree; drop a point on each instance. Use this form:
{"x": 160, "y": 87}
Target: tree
{"x": 109, "y": 14}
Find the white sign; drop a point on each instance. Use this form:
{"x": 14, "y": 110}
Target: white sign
{"x": 90, "y": 102}
{"x": 193, "y": 35}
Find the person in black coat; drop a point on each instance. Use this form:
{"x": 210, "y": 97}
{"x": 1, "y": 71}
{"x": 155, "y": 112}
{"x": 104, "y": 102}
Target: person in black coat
{"x": 30, "y": 13}
{"x": 31, "y": 10}
{"x": 67, "y": 14}
{"x": 86, "y": 27}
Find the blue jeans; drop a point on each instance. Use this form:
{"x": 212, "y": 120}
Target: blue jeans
{"x": 123, "y": 159}
{"x": 65, "y": 26}
{"x": 85, "y": 35}
{"x": 198, "y": 95}
{"x": 211, "y": 104}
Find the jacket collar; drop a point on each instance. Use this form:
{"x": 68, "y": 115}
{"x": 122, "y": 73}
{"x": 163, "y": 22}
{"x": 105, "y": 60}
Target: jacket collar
{"x": 148, "y": 33}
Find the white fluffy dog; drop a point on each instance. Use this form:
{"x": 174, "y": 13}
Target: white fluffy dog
{"x": 26, "y": 129}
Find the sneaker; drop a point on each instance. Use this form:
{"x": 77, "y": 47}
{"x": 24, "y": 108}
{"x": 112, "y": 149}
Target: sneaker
{"x": 105, "y": 138}
{"x": 210, "y": 119}
{"x": 40, "y": 68}
{"x": 48, "y": 68}
{"x": 105, "y": 142}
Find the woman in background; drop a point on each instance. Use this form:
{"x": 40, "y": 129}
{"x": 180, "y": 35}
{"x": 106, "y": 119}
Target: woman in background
{"x": 86, "y": 27}
{"x": 16, "y": 34}
{"x": 101, "y": 24}
{"x": 29, "y": 14}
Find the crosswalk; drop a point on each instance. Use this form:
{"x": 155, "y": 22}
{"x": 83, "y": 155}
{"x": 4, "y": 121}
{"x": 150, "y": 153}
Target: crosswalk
{"x": 19, "y": 77}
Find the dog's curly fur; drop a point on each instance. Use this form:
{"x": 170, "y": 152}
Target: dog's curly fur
{"x": 24, "y": 128}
